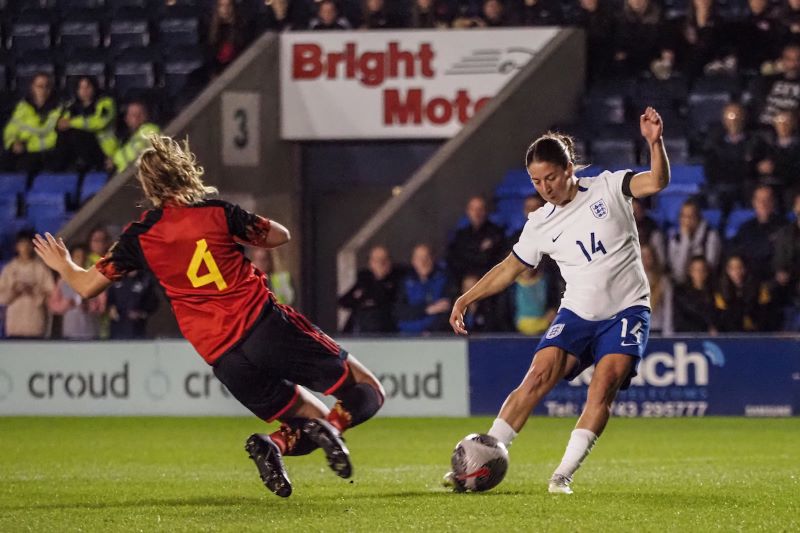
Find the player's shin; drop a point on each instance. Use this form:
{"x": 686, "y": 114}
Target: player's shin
{"x": 580, "y": 444}
{"x": 291, "y": 439}
{"x": 356, "y": 404}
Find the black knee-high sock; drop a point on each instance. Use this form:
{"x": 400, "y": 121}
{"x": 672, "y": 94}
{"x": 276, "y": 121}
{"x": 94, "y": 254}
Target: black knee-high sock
{"x": 357, "y": 403}
{"x": 291, "y": 439}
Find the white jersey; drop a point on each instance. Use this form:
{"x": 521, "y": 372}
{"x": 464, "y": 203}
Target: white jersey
{"x": 594, "y": 240}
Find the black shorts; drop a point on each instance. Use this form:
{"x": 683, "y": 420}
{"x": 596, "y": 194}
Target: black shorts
{"x": 282, "y": 350}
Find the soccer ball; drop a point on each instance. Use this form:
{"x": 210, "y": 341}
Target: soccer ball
{"x": 479, "y": 463}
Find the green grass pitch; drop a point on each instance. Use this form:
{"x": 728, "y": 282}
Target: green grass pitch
{"x": 192, "y": 474}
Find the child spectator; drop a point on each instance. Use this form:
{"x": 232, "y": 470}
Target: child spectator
{"x": 693, "y": 305}
{"x": 328, "y": 18}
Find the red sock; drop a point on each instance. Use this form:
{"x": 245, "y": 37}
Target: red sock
{"x": 339, "y": 417}
{"x": 281, "y": 438}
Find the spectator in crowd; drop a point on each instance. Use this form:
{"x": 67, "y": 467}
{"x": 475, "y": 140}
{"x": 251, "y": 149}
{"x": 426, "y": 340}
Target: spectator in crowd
{"x": 328, "y": 18}
{"x": 371, "y": 300}
{"x": 693, "y": 237}
{"x": 639, "y": 35}
{"x": 538, "y": 12}
{"x": 728, "y": 161}
{"x": 598, "y": 22}
{"x": 89, "y": 124}
{"x": 759, "y": 36}
{"x": 280, "y": 280}
{"x": 789, "y": 15}
{"x": 80, "y": 318}
{"x": 693, "y": 303}
{"x": 649, "y": 232}
{"x": 99, "y": 242}
{"x": 780, "y": 92}
{"x": 229, "y": 33}
{"x": 30, "y": 137}
{"x": 660, "y": 292}
{"x": 701, "y": 45}
{"x": 741, "y": 302}
{"x": 493, "y": 14}
{"x": 778, "y": 155}
{"x": 489, "y": 315}
{"x": 377, "y": 17}
{"x": 137, "y": 120}
{"x": 424, "y": 298}
{"x": 479, "y": 246}
{"x": 786, "y": 264}
{"x": 278, "y": 15}
{"x": 467, "y": 17}
{"x": 430, "y": 14}
{"x": 755, "y": 240}
{"x": 131, "y": 301}
{"x": 25, "y": 286}
{"x": 535, "y": 301}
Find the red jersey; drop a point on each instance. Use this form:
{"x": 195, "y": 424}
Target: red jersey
{"x": 195, "y": 254}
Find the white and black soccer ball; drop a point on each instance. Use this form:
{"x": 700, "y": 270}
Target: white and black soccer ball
{"x": 479, "y": 463}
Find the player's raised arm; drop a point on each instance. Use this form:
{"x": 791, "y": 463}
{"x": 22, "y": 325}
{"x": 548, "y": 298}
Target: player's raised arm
{"x": 657, "y": 178}
{"x": 498, "y": 278}
{"x": 87, "y": 283}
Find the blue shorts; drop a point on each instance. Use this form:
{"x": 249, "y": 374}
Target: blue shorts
{"x": 589, "y": 340}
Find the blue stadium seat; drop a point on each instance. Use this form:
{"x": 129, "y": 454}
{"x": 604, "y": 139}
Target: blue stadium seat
{"x": 79, "y": 31}
{"x": 736, "y": 218}
{"x": 92, "y": 183}
{"x": 31, "y": 31}
{"x": 116, "y": 6}
{"x": 179, "y": 26}
{"x": 179, "y": 65}
{"x": 43, "y": 222}
{"x": 661, "y": 94}
{"x": 601, "y": 109}
{"x": 46, "y": 211}
{"x": 12, "y": 184}
{"x": 613, "y": 152}
{"x": 713, "y": 217}
{"x": 687, "y": 175}
{"x": 134, "y": 69}
{"x": 86, "y": 62}
{"x": 128, "y": 31}
{"x": 677, "y": 148}
{"x": 705, "y": 109}
{"x": 8, "y": 208}
{"x": 32, "y": 63}
{"x": 71, "y": 6}
{"x": 65, "y": 184}
{"x": 669, "y": 205}
{"x": 515, "y": 183}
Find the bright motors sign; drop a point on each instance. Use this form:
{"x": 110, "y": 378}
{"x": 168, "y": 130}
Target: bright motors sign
{"x": 410, "y": 84}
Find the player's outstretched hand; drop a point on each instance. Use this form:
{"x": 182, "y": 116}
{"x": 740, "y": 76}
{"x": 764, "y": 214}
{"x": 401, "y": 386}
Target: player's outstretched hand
{"x": 53, "y": 252}
{"x": 651, "y": 125}
{"x": 457, "y": 318}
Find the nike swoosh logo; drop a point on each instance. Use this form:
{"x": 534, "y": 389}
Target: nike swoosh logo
{"x": 557, "y": 236}
{"x": 630, "y": 343}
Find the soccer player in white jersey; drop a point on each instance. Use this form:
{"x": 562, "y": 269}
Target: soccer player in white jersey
{"x": 587, "y": 227}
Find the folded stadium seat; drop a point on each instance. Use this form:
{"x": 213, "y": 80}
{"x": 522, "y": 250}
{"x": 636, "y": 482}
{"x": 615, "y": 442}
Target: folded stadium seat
{"x": 687, "y": 175}
{"x": 603, "y": 106}
{"x": 80, "y": 29}
{"x": 736, "y": 218}
{"x": 179, "y": 65}
{"x": 22, "y": 6}
{"x": 32, "y": 63}
{"x": 713, "y": 217}
{"x": 515, "y": 183}
{"x": 705, "y": 109}
{"x": 179, "y": 26}
{"x": 86, "y": 62}
{"x": 660, "y": 94}
{"x": 12, "y": 183}
{"x": 8, "y": 208}
{"x": 91, "y": 185}
{"x": 128, "y": 28}
{"x": 45, "y": 210}
{"x": 613, "y": 153}
{"x": 668, "y": 206}
{"x": 134, "y": 68}
{"x": 43, "y": 222}
{"x": 67, "y": 7}
{"x": 30, "y": 31}
{"x": 677, "y": 149}
{"x": 65, "y": 184}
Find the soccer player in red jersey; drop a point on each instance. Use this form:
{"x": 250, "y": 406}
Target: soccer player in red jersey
{"x": 267, "y": 354}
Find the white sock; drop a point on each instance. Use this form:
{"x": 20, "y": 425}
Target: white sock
{"x": 578, "y": 447}
{"x": 502, "y": 431}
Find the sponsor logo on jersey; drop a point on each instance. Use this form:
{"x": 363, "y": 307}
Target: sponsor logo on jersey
{"x": 554, "y": 331}
{"x": 599, "y": 209}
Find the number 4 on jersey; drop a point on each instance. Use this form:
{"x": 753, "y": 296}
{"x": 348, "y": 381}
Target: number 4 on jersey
{"x": 597, "y": 246}
{"x": 203, "y": 256}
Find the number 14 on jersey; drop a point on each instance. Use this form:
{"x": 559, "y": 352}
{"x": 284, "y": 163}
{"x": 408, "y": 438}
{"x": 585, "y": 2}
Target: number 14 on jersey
{"x": 597, "y": 246}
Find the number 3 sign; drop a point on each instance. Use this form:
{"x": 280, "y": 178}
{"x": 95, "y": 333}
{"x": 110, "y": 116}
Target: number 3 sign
{"x": 241, "y": 128}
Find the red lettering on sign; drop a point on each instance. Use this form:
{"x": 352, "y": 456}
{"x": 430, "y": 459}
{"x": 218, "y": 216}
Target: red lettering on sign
{"x": 411, "y": 107}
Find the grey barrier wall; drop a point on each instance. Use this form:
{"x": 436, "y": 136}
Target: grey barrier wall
{"x": 242, "y": 154}
{"x": 544, "y": 93}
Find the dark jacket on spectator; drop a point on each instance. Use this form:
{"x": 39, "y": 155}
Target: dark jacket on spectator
{"x": 476, "y": 251}
{"x": 415, "y": 296}
{"x": 135, "y": 299}
{"x": 759, "y": 39}
{"x": 775, "y": 94}
{"x": 728, "y": 166}
{"x": 371, "y": 302}
{"x": 743, "y": 309}
{"x": 787, "y": 258}
{"x": 756, "y": 243}
{"x": 693, "y": 309}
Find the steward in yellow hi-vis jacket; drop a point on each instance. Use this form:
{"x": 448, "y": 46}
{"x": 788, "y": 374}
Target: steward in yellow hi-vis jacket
{"x": 90, "y": 122}
{"x": 137, "y": 119}
{"x": 30, "y": 138}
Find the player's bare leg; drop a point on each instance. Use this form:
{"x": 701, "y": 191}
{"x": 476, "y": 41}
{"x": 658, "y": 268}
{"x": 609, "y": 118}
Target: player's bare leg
{"x": 609, "y": 375}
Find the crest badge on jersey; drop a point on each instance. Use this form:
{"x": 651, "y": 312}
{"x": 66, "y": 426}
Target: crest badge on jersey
{"x": 599, "y": 209}
{"x": 554, "y": 331}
